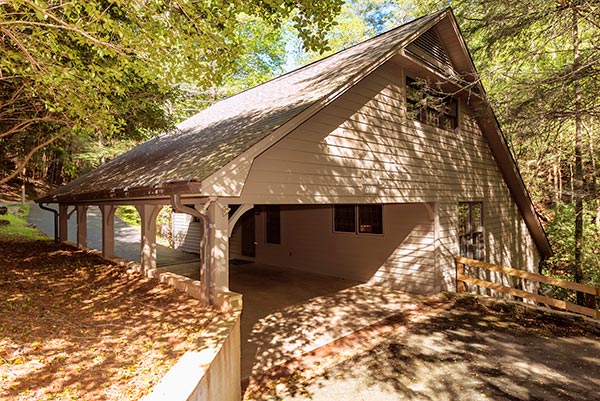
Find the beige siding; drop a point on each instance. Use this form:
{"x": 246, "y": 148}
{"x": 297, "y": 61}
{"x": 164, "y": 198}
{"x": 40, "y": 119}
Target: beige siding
{"x": 402, "y": 257}
{"x": 362, "y": 149}
{"x": 186, "y": 233}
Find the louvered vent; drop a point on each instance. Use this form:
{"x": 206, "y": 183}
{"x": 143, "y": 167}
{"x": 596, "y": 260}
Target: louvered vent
{"x": 428, "y": 47}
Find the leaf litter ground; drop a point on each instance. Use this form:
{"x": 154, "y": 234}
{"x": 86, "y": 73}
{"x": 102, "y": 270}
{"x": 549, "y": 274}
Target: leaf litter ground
{"x": 74, "y": 326}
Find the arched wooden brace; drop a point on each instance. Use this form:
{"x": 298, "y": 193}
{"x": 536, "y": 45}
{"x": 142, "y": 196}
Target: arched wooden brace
{"x": 148, "y": 214}
{"x": 81, "y": 225}
{"x": 237, "y": 214}
{"x": 108, "y": 230}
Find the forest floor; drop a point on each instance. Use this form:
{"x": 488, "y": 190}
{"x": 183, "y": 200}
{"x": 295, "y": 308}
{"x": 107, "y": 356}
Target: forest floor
{"x": 12, "y": 192}
{"x": 467, "y": 348}
{"x": 76, "y": 327}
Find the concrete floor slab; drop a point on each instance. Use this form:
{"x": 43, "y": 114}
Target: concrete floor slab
{"x": 303, "y": 312}
{"x": 288, "y": 313}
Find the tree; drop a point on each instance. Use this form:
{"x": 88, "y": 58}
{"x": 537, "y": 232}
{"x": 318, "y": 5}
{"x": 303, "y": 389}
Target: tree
{"x": 107, "y": 66}
{"x": 358, "y": 20}
{"x": 539, "y": 61}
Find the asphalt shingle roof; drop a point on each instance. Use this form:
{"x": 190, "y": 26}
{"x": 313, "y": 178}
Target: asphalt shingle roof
{"x": 206, "y": 142}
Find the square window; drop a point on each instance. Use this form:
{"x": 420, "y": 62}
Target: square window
{"x": 344, "y": 218}
{"x": 370, "y": 219}
{"x": 430, "y": 107}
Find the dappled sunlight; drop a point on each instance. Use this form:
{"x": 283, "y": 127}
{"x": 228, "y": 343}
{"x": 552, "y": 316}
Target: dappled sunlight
{"x": 463, "y": 351}
{"x": 83, "y": 327}
{"x": 281, "y": 322}
{"x": 298, "y": 329}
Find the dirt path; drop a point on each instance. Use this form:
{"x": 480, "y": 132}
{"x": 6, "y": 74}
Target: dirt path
{"x": 466, "y": 352}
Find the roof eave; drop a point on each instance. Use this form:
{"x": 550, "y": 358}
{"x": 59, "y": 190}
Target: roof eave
{"x": 127, "y": 195}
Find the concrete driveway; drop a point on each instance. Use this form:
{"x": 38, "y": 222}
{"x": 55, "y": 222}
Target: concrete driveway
{"x": 447, "y": 350}
{"x": 127, "y": 238}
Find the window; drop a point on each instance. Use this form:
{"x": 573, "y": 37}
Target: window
{"x": 370, "y": 219}
{"x": 434, "y": 109}
{"x": 344, "y": 218}
{"x": 470, "y": 230}
{"x": 273, "y": 223}
{"x": 358, "y": 219}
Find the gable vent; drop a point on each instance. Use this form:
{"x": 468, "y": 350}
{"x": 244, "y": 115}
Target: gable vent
{"x": 429, "y": 48}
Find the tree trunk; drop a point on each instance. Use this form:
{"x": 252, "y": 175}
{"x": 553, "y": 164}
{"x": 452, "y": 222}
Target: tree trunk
{"x": 578, "y": 189}
{"x": 594, "y": 176}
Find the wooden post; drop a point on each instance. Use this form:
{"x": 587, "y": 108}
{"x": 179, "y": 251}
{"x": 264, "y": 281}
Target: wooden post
{"x": 460, "y": 271}
{"x": 218, "y": 243}
{"x": 108, "y": 230}
{"x": 63, "y": 222}
{"x": 148, "y": 214}
{"x": 81, "y": 226}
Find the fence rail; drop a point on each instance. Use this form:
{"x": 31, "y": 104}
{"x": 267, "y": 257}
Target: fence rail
{"x": 462, "y": 278}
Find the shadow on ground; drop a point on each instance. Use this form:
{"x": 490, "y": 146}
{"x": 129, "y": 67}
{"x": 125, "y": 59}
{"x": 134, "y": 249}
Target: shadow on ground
{"x": 466, "y": 352}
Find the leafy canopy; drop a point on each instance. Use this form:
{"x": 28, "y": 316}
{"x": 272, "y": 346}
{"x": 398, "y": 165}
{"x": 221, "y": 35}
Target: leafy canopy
{"x": 109, "y": 66}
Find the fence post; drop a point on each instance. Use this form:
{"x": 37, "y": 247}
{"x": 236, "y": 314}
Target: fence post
{"x": 460, "y": 271}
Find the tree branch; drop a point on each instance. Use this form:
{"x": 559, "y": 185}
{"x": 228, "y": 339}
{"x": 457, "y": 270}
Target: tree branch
{"x": 26, "y": 124}
{"x": 29, "y": 155}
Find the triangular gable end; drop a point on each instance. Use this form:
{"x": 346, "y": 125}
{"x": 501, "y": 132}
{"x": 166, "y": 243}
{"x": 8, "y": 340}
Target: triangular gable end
{"x": 429, "y": 49}
{"x": 443, "y": 50}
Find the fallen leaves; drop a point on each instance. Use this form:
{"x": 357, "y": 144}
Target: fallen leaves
{"x": 75, "y": 327}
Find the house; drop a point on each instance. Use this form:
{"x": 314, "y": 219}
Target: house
{"x": 380, "y": 163}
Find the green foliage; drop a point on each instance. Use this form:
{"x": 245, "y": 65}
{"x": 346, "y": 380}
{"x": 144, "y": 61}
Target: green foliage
{"x": 561, "y": 233}
{"x": 129, "y": 215}
{"x": 17, "y": 229}
{"x": 358, "y": 20}
{"x": 83, "y": 68}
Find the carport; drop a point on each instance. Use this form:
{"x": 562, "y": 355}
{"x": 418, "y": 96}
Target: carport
{"x": 289, "y": 313}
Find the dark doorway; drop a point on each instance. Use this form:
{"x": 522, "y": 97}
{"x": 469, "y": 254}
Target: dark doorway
{"x": 248, "y": 239}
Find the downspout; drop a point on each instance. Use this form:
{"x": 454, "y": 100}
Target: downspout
{"x": 56, "y": 238}
{"x": 204, "y": 251}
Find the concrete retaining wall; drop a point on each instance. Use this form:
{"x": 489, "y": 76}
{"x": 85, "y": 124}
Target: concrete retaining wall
{"x": 210, "y": 373}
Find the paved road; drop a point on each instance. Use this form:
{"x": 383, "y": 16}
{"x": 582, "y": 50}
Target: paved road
{"x": 127, "y": 238}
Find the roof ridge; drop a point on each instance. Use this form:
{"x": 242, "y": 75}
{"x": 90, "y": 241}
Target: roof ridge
{"x": 312, "y": 63}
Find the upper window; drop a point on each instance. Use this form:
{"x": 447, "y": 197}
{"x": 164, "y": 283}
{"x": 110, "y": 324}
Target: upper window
{"x": 273, "y": 223}
{"x": 358, "y": 219}
{"x": 470, "y": 230}
{"x": 435, "y": 109}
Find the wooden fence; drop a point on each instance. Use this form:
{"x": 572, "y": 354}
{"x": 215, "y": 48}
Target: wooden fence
{"x": 462, "y": 278}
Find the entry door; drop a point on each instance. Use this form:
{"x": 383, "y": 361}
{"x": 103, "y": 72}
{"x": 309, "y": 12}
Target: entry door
{"x": 248, "y": 240}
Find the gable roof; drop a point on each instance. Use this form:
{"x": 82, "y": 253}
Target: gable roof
{"x": 204, "y": 143}
{"x": 208, "y": 141}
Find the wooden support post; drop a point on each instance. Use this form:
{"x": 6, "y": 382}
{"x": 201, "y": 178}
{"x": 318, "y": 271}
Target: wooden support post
{"x": 460, "y": 271}
{"x": 81, "y": 226}
{"x": 108, "y": 230}
{"x": 63, "y": 222}
{"x": 218, "y": 243}
{"x": 148, "y": 214}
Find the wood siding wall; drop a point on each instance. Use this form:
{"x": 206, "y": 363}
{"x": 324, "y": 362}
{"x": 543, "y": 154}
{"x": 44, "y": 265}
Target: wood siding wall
{"x": 308, "y": 243}
{"x": 186, "y": 233}
{"x": 362, "y": 149}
